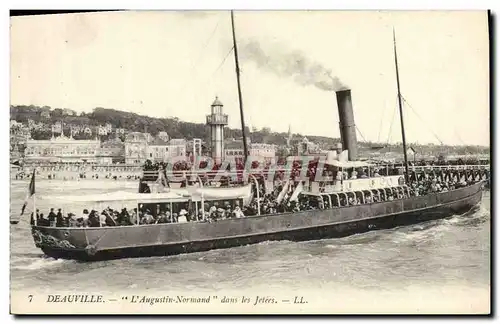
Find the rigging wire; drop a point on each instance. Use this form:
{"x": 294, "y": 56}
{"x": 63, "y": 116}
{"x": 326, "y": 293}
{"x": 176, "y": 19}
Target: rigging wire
{"x": 361, "y": 134}
{"x": 205, "y": 45}
{"x": 380, "y": 126}
{"x": 223, "y": 61}
{"x": 392, "y": 122}
{"x": 428, "y": 128}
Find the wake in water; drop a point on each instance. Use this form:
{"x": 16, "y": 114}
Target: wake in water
{"x": 35, "y": 263}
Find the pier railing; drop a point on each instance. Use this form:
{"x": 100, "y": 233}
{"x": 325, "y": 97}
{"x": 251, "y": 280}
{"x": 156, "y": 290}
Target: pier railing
{"x": 388, "y": 170}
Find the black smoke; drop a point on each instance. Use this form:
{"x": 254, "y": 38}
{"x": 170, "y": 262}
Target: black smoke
{"x": 290, "y": 64}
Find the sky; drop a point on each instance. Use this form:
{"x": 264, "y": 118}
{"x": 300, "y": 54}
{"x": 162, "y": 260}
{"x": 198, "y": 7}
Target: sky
{"x": 173, "y": 64}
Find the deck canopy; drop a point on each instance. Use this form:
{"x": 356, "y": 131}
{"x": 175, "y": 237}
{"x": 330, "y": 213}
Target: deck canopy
{"x": 348, "y": 164}
{"x": 172, "y": 195}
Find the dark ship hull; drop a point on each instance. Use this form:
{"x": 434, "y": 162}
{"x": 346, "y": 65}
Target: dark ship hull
{"x": 93, "y": 244}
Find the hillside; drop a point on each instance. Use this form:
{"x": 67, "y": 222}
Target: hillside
{"x": 176, "y": 128}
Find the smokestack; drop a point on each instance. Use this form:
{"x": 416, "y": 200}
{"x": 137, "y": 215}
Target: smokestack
{"x": 346, "y": 124}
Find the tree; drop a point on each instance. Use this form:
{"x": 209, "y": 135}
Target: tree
{"x": 58, "y": 112}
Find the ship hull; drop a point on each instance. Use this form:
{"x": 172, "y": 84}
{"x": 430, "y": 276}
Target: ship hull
{"x": 93, "y": 244}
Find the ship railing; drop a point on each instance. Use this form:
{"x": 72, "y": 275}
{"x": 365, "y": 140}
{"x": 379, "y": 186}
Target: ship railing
{"x": 399, "y": 191}
{"x": 450, "y": 167}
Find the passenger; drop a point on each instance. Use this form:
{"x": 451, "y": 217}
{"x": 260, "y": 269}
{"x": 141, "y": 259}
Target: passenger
{"x": 80, "y": 222}
{"x": 168, "y": 217}
{"x": 174, "y": 218}
{"x": 134, "y": 216}
{"x": 109, "y": 220}
{"x": 354, "y": 175}
{"x": 229, "y": 212}
{"x": 59, "y": 218}
{"x": 212, "y": 212}
{"x": 182, "y": 216}
{"x": 147, "y": 218}
{"x": 52, "y": 218}
{"x": 71, "y": 220}
{"x": 238, "y": 213}
{"x": 162, "y": 219}
{"x": 93, "y": 220}
{"x": 102, "y": 218}
{"x": 84, "y": 214}
{"x": 221, "y": 214}
{"x": 125, "y": 218}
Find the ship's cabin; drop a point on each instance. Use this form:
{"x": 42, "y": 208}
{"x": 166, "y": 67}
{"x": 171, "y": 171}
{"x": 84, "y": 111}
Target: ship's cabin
{"x": 178, "y": 205}
{"x": 357, "y": 179}
{"x": 351, "y": 198}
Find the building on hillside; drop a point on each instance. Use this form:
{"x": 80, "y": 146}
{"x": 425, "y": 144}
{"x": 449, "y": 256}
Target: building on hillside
{"x": 306, "y": 147}
{"x": 233, "y": 148}
{"x": 111, "y": 151}
{"x": 19, "y": 134}
{"x": 45, "y": 114}
{"x": 120, "y": 131}
{"x": 15, "y": 154}
{"x": 177, "y": 147}
{"x": 68, "y": 112}
{"x": 261, "y": 150}
{"x": 158, "y": 150}
{"x": 163, "y": 136}
{"x": 108, "y": 127}
{"x": 87, "y": 130}
{"x": 135, "y": 148}
{"x": 62, "y": 149}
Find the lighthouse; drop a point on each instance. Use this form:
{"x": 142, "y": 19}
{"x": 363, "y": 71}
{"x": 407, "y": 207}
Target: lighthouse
{"x": 217, "y": 120}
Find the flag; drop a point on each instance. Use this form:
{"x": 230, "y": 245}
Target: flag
{"x": 283, "y": 192}
{"x": 297, "y": 191}
{"x": 31, "y": 192}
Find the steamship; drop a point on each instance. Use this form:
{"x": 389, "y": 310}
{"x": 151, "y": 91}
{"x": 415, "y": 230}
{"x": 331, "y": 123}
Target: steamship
{"x": 341, "y": 219}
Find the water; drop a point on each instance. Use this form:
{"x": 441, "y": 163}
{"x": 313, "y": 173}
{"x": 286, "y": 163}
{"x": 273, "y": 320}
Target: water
{"x": 454, "y": 252}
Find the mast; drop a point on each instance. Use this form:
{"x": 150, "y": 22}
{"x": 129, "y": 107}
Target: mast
{"x": 245, "y": 149}
{"x": 400, "y": 108}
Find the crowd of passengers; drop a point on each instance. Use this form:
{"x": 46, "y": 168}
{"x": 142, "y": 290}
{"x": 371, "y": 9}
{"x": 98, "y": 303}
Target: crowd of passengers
{"x": 74, "y": 175}
{"x": 269, "y": 203}
{"x": 143, "y": 216}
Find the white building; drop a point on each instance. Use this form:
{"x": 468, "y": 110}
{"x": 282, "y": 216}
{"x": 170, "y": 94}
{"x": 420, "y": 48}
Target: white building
{"x": 135, "y": 148}
{"x": 266, "y": 151}
{"x": 62, "y": 149}
{"x": 164, "y": 136}
{"x": 177, "y": 147}
{"x": 108, "y": 127}
{"x": 159, "y": 150}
